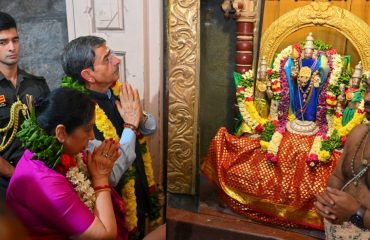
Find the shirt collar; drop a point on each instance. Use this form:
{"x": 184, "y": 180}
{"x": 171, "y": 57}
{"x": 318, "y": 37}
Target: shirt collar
{"x": 107, "y": 95}
{"x": 20, "y": 76}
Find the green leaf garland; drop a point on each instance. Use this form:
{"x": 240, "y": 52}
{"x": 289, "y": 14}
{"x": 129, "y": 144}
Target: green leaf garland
{"x": 46, "y": 148}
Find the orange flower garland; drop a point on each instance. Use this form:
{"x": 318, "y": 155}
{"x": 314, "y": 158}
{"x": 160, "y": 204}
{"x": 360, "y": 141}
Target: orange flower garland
{"x": 105, "y": 126}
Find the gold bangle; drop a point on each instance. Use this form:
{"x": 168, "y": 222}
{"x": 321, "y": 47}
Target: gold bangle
{"x": 103, "y": 190}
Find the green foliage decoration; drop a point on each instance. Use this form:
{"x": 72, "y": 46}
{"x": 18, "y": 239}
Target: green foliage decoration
{"x": 46, "y": 148}
{"x": 68, "y": 82}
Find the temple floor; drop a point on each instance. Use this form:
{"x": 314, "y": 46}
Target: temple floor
{"x": 279, "y": 193}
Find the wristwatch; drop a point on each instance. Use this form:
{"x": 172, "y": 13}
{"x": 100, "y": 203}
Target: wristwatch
{"x": 357, "y": 219}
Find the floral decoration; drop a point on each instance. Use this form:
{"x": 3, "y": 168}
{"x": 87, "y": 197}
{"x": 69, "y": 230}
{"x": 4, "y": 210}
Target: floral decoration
{"x": 108, "y": 130}
{"x": 331, "y": 134}
{"x": 78, "y": 175}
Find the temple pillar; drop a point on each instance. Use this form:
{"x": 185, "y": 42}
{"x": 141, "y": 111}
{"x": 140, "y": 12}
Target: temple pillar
{"x": 244, "y": 12}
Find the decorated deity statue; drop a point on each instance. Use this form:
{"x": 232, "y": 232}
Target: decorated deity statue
{"x": 353, "y": 95}
{"x": 306, "y": 73}
{"x": 260, "y": 97}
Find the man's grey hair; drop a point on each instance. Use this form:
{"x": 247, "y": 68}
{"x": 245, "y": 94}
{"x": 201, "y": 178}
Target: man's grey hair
{"x": 79, "y": 54}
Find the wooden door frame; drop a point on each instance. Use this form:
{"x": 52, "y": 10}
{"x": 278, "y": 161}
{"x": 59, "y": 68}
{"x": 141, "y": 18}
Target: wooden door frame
{"x": 153, "y": 71}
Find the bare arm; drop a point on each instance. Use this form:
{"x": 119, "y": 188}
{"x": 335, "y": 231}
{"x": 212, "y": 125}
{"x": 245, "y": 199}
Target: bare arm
{"x": 332, "y": 203}
{"x": 325, "y": 201}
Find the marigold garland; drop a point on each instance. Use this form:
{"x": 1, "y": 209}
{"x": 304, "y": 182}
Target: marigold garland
{"x": 106, "y": 127}
{"x": 128, "y": 195}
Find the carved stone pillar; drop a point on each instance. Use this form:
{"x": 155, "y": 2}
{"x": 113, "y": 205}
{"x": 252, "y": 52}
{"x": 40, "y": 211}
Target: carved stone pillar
{"x": 244, "y": 13}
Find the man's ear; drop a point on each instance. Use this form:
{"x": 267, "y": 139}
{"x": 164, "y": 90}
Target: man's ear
{"x": 86, "y": 74}
{"x": 61, "y": 133}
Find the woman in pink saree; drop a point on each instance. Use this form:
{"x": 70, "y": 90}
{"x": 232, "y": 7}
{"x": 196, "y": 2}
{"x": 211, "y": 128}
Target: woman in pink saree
{"x": 57, "y": 192}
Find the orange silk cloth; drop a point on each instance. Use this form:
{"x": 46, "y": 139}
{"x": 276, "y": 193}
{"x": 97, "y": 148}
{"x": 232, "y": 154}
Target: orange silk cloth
{"x": 280, "y": 193}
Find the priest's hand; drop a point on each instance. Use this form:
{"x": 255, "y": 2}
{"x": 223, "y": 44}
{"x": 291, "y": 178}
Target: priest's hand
{"x": 323, "y": 206}
{"x": 345, "y": 204}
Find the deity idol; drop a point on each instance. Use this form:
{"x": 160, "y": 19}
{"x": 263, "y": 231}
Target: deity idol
{"x": 261, "y": 92}
{"x": 306, "y": 74}
{"x": 353, "y": 95}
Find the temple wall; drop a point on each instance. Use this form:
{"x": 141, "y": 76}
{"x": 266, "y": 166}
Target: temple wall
{"x": 218, "y": 39}
{"x": 42, "y": 27}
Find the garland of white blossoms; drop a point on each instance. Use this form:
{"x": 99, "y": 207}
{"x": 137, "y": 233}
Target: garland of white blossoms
{"x": 245, "y": 104}
{"x": 246, "y": 107}
{"x": 249, "y": 112}
{"x": 331, "y": 102}
{"x": 275, "y": 83}
{"x": 274, "y": 144}
{"x": 254, "y": 121}
{"x": 335, "y": 74}
{"x": 78, "y": 177}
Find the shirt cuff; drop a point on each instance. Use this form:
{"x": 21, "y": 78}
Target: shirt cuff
{"x": 127, "y": 136}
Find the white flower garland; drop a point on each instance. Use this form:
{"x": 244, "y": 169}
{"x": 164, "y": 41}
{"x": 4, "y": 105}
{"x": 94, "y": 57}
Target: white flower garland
{"x": 333, "y": 81}
{"x": 246, "y": 108}
{"x": 78, "y": 176}
{"x": 286, "y": 52}
{"x": 274, "y": 144}
{"x": 313, "y": 155}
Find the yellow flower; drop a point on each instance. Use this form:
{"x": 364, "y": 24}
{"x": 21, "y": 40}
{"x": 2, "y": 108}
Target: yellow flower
{"x": 291, "y": 115}
{"x": 337, "y": 123}
{"x": 254, "y": 113}
{"x": 324, "y": 156}
{"x": 128, "y": 192}
{"x": 331, "y": 102}
{"x": 105, "y": 126}
{"x": 116, "y": 88}
{"x": 343, "y": 131}
{"x": 147, "y": 163}
{"x": 264, "y": 145}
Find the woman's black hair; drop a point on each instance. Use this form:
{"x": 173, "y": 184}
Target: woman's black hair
{"x": 64, "y": 106}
